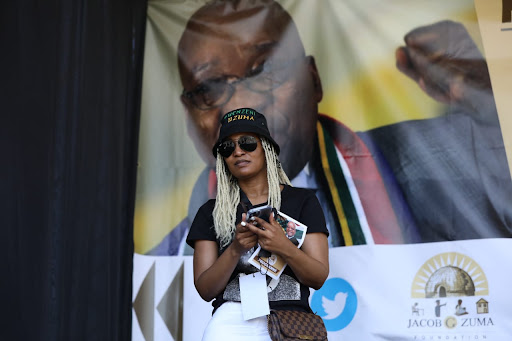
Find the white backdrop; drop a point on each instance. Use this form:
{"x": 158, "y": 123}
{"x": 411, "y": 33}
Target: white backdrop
{"x": 373, "y": 289}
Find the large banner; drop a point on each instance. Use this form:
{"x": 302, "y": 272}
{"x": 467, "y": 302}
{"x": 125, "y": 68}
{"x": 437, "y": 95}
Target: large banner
{"x": 396, "y": 113}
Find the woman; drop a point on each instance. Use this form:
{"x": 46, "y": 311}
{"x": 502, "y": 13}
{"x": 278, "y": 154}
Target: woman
{"x": 249, "y": 175}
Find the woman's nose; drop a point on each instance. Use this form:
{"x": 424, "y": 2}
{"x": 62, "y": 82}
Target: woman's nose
{"x": 238, "y": 150}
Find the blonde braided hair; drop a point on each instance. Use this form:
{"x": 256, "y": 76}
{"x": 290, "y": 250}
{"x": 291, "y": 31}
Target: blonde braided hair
{"x": 228, "y": 192}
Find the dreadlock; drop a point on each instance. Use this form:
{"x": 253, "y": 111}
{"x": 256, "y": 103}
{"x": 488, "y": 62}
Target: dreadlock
{"x": 228, "y": 192}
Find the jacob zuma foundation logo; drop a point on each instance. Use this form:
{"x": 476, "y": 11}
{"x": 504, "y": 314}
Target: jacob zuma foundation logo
{"x": 448, "y": 296}
{"x": 449, "y": 275}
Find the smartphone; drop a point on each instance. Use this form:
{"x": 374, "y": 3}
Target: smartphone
{"x": 262, "y": 212}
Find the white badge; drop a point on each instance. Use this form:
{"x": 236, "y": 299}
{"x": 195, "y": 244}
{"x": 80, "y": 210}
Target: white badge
{"x": 253, "y": 293}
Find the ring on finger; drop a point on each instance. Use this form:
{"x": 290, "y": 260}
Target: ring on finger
{"x": 243, "y": 223}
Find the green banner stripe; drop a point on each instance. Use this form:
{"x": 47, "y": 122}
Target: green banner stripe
{"x": 343, "y": 191}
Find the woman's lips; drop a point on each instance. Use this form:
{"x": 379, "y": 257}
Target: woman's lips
{"x": 241, "y": 163}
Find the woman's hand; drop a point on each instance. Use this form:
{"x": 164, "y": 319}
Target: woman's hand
{"x": 310, "y": 263}
{"x": 244, "y": 238}
{"x": 211, "y": 272}
{"x": 270, "y": 236}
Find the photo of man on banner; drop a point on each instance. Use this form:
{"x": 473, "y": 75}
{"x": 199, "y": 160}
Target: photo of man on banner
{"x": 420, "y": 180}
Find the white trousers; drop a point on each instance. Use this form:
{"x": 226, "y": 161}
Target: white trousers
{"x": 228, "y": 324}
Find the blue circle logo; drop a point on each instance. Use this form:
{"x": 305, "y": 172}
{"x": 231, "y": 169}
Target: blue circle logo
{"x": 336, "y": 303}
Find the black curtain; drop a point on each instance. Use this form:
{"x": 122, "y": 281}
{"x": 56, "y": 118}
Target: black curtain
{"x": 70, "y": 103}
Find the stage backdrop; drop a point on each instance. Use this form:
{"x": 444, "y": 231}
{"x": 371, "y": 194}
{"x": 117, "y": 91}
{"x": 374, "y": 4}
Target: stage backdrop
{"x": 442, "y": 165}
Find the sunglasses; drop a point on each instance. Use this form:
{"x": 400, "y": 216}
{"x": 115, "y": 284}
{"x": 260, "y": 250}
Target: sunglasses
{"x": 247, "y": 143}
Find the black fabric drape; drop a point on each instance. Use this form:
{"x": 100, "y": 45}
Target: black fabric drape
{"x": 70, "y": 102}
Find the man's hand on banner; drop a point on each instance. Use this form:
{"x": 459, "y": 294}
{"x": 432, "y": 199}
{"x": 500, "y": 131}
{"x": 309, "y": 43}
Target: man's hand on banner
{"x": 446, "y": 63}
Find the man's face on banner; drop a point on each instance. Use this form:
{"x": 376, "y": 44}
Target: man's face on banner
{"x": 249, "y": 57}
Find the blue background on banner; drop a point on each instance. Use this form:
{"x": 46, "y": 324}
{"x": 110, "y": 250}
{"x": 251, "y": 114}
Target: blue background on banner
{"x": 329, "y": 290}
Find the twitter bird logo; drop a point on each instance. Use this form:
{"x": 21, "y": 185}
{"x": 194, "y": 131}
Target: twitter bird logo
{"x": 336, "y": 303}
{"x": 333, "y": 308}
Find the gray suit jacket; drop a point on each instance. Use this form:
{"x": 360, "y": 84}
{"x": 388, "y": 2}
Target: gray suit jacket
{"x": 453, "y": 173}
